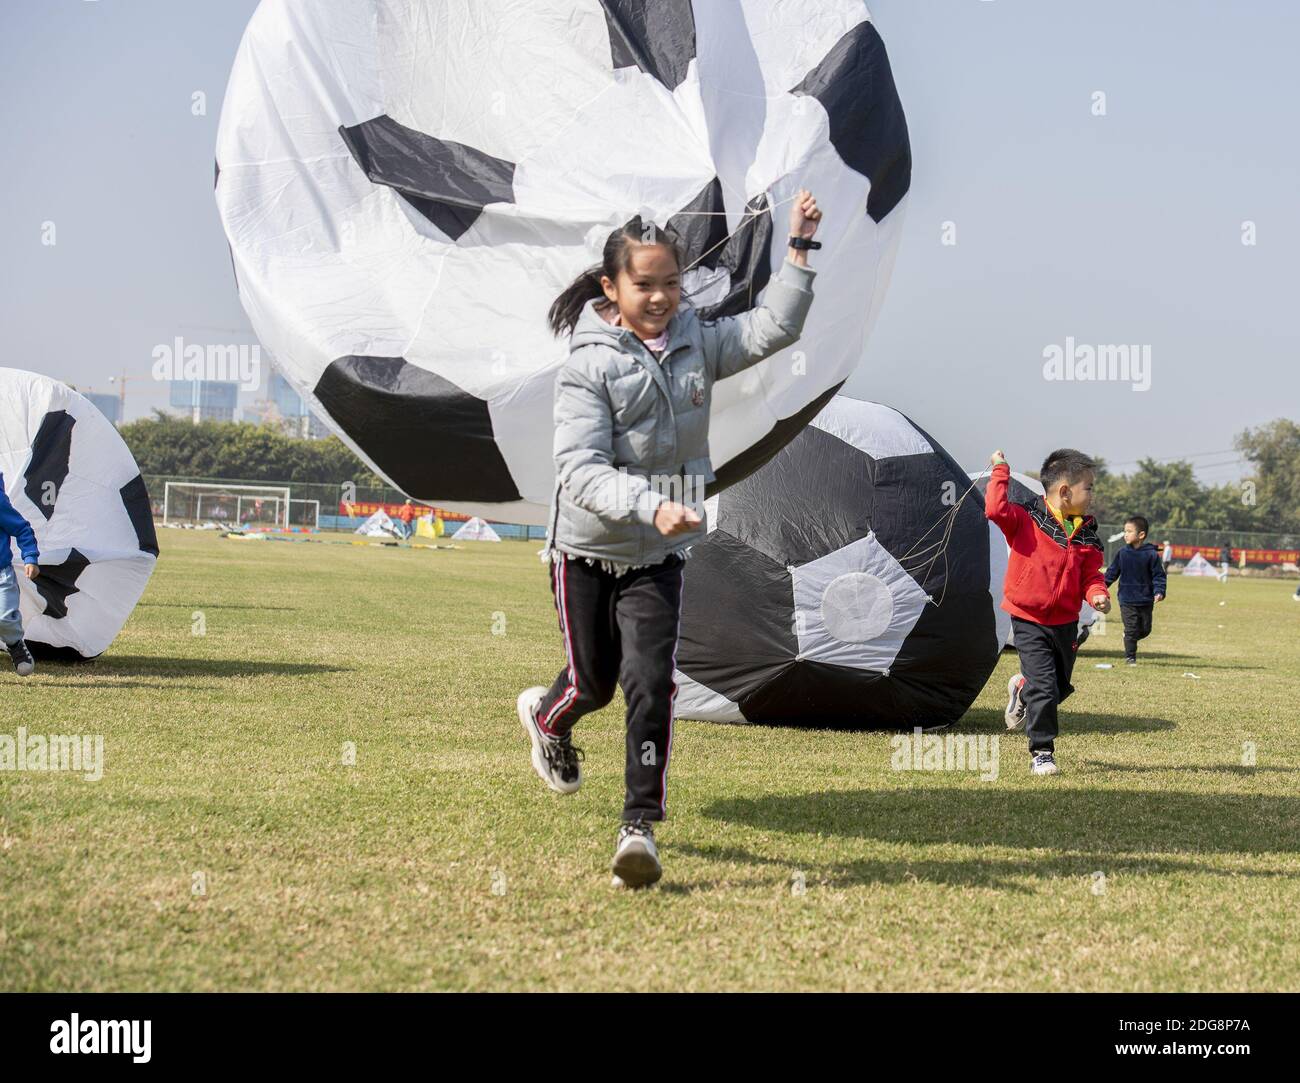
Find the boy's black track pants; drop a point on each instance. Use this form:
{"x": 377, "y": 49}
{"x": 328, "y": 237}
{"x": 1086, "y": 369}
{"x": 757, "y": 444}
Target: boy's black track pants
{"x": 1137, "y": 625}
{"x": 1047, "y": 653}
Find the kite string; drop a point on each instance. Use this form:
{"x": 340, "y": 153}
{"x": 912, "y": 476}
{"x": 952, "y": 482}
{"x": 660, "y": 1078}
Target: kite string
{"x": 751, "y": 216}
{"x": 946, "y": 516}
{"x": 949, "y": 518}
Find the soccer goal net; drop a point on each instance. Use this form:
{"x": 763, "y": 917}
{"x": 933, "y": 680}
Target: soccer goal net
{"x": 246, "y": 506}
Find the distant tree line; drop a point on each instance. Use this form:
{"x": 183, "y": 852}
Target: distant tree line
{"x": 1168, "y": 494}
{"x": 240, "y": 450}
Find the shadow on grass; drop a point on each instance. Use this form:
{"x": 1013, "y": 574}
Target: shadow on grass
{"x": 983, "y": 718}
{"x": 1181, "y": 768}
{"x": 132, "y": 665}
{"x": 169, "y": 686}
{"x": 1001, "y": 873}
{"x": 209, "y": 605}
{"x": 1151, "y": 658}
{"x": 1098, "y": 822}
{"x": 976, "y": 719}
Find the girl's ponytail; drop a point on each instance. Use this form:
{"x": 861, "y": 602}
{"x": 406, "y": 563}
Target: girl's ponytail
{"x": 566, "y": 308}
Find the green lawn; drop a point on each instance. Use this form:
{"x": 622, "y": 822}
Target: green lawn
{"x": 439, "y": 861}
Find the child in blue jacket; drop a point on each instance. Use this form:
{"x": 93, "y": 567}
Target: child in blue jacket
{"x": 13, "y": 525}
{"x": 1143, "y": 583}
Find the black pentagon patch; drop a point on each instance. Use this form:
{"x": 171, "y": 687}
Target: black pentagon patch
{"x": 748, "y": 256}
{"x": 58, "y": 581}
{"x": 701, "y": 227}
{"x": 814, "y": 695}
{"x": 725, "y": 576}
{"x": 946, "y": 649}
{"x": 817, "y": 694}
{"x": 757, "y": 454}
{"x": 855, "y": 85}
{"x": 449, "y": 183}
{"x": 68, "y": 656}
{"x": 658, "y": 37}
{"x": 135, "y": 499}
{"x": 934, "y": 540}
{"x": 51, "y": 451}
{"x": 431, "y": 438}
{"x": 824, "y": 504}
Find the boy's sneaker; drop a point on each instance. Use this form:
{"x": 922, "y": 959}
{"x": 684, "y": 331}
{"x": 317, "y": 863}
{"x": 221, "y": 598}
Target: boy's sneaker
{"x": 1130, "y": 661}
{"x": 22, "y": 658}
{"x": 636, "y": 861}
{"x": 555, "y": 759}
{"x": 1044, "y": 763}
{"x": 1015, "y": 712}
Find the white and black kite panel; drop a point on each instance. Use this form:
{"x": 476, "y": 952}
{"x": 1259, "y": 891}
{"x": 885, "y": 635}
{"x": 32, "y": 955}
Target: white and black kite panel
{"x": 407, "y": 185}
{"x": 69, "y": 473}
{"x": 841, "y": 585}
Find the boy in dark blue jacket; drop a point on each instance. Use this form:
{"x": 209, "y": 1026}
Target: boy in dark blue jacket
{"x": 1138, "y": 565}
{"x": 13, "y": 525}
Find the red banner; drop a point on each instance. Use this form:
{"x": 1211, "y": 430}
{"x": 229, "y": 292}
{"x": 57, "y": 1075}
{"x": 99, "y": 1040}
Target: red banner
{"x": 364, "y": 509}
{"x": 1253, "y": 556}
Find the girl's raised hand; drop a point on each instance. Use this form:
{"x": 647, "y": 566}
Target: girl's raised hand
{"x": 804, "y": 215}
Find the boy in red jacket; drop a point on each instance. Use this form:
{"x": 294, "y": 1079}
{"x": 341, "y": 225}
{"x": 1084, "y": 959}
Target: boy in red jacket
{"x": 1054, "y": 564}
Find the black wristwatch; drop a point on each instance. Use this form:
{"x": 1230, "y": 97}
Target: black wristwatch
{"x": 803, "y": 244}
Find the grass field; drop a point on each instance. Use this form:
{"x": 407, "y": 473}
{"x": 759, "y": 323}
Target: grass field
{"x": 1156, "y": 861}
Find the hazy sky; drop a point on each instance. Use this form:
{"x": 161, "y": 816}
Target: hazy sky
{"x": 1117, "y": 229}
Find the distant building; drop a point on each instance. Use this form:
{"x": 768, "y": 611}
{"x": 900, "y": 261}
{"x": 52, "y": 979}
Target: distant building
{"x": 261, "y": 412}
{"x": 109, "y": 405}
{"x": 286, "y": 399}
{"x": 299, "y": 420}
{"x": 205, "y": 400}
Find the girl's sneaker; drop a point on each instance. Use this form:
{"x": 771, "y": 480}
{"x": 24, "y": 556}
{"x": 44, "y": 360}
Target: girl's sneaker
{"x": 555, "y": 759}
{"x": 636, "y": 861}
{"x": 1015, "y": 712}
{"x": 22, "y": 658}
{"x": 1044, "y": 763}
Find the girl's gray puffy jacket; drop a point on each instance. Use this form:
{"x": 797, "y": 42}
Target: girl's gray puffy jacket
{"x": 631, "y": 431}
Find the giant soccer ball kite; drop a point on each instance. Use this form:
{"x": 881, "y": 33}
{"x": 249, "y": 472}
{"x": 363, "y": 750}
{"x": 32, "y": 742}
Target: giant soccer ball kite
{"x": 71, "y": 476}
{"x": 407, "y": 185}
{"x": 846, "y": 583}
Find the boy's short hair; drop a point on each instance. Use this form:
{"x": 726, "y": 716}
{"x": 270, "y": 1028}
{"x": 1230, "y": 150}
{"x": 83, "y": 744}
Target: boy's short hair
{"x": 1065, "y": 463}
{"x": 1140, "y": 522}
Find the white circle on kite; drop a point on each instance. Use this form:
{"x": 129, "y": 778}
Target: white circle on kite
{"x": 857, "y": 607}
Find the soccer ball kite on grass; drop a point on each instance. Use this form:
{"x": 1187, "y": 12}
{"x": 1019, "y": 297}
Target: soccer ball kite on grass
{"x": 845, "y": 584}
{"x": 69, "y": 473}
{"x": 407, "y": 185}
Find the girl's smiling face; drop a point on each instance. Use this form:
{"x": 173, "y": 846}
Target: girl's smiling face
{"x": 647, "y": 291}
